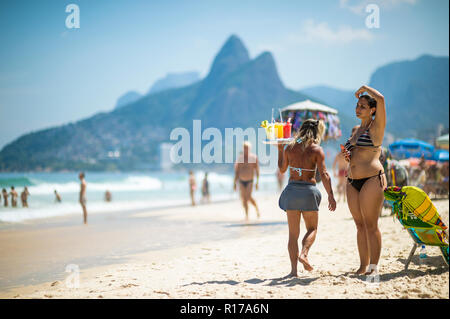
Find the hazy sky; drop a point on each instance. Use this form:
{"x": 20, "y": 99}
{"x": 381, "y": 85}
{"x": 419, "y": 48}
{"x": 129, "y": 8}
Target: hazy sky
{"x": 52, "y": 75}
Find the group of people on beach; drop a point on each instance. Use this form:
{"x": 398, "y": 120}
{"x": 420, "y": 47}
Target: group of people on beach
{"x": 193, "y": 187}
{"x": 14, "y": 195}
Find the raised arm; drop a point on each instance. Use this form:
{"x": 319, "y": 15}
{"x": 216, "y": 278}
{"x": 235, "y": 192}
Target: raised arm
{"x": 283, "y": 162}
{"x": 326, "y": 180}
{"x": 380, "y": 115}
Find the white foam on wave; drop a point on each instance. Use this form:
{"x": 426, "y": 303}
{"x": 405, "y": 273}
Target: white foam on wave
{"x": 131, "y": 183}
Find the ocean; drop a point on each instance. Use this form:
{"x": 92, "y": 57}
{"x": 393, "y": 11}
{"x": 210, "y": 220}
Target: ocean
{"x": 130, "y": 191}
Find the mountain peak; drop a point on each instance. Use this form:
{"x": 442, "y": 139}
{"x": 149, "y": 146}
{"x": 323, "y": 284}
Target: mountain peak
{"x": 231, "y": 56}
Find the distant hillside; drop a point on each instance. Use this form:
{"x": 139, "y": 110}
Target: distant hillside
{"x": 128, "y": 98}
{"x": 416, "y": 93}
{"x": 237, "y": 92}
{"x": 342, "y": 100}
{"x": 174, "y": 80}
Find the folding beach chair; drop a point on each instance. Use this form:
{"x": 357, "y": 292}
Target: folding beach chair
{"x": 415, "y": 211}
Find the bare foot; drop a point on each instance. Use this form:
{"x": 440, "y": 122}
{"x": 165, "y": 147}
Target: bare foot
{"x": 304, "y": 260}
{"x": 291, "y": 274}
{"x": 361, "y": 270}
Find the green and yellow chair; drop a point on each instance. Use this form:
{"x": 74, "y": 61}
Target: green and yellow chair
{"x": 415, "y": 211}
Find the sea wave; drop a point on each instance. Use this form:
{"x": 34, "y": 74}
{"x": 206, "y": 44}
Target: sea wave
{"x": 131, "y": 183}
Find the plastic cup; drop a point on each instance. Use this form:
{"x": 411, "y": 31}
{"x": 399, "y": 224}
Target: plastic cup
{"x": 287, "y": 129}
{"x": 270, "y": 131}
{"x": 279, "y": 130}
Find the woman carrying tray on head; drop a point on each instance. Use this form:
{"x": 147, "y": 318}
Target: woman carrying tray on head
{"x": 366, "y": 180}
{"x": 301, "y": 197}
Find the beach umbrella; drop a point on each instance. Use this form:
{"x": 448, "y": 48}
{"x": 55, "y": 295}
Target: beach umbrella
{"x": 442, "y": 141}
{"x": 441, "y": 155}
{"x": 300, "y": 111}
{"x": 309, "y": 105}
{"x": 411, "y": 147}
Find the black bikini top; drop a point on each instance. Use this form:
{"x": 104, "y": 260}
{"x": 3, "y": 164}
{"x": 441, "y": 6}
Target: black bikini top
{"x": 363, "y": 140}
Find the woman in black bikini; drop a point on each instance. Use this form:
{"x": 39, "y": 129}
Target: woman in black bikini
{"x": 301, "y": 197}
{"x": 366, "y": 179}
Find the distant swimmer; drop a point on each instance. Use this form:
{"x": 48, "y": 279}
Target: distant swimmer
{"x": 14, "y": 196}
{"x": 5, "y": 197}
{"x": 192, "y": 187}
{"x": 24, "y": 197}
{"x": 57, "y": 197}
{"x": 108, "y": 196}
{"x": 83, "y": 196}
{"x": 205, "y": 189}
{"x": 245, "y": 169}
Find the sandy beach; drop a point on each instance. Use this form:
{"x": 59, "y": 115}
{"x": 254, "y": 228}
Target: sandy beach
{"x": 251, "y": 263}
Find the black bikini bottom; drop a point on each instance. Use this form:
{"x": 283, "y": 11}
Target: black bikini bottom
{"x": 359, "y": 183}
{"x": 245, "y": 183}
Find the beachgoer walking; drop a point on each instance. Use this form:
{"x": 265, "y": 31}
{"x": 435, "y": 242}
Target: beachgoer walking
{"x": 192, "y": 187}
{"x": 301, "y": 197}
{"x": 57, "y": 197}
{"x": 205, "y": 189}
{"x": 24, "y": 197}
{"x": 366, "y": 179}
{"x": 83, "y": 196}
{"x": 341, "y": 164}
{"x": 245, "y": 169}
{"x": 5, "y": 197}
{"x": 14, "y": 197}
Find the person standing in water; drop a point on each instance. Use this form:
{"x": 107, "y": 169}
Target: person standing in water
{"x": 192, "y": 187}
{"x": 366, "y": 178}
{"x": 108, "y": 196}
{"x": 303, "y": 156}
{"x": 5, "y": 197}
{"x": 245, "y": 169}
{"x": 24, "y": 197}
{"x": 205, "y": 189}
{"x": 14, "y": 196}
{"x": 57, "y": 197}
{"x": 83, "y": 196}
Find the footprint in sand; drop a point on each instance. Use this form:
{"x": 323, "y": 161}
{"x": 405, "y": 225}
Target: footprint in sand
{"x": 129, "y": 286}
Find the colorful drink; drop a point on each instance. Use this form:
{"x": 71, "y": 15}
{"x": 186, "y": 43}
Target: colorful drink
{"x": 287, "y": 129}
{"x": 270, "y": 131}
{"x": 279, "y": 130}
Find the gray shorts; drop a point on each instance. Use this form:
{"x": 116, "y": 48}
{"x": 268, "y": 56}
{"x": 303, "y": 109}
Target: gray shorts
{"x": 300, "y": 195}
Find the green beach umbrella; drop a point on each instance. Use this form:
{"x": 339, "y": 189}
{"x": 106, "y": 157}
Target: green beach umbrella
{"x": 442, "y": 141}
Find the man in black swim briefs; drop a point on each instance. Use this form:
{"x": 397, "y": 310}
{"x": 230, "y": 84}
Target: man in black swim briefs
{"x": 245, "y": 168}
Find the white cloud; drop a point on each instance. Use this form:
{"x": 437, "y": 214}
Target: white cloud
{"x": 359, "y": 6}
{"x": 322, "y": 33}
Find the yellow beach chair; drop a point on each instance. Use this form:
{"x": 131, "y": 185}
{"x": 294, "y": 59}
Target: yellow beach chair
{"x": 415, "y": 211}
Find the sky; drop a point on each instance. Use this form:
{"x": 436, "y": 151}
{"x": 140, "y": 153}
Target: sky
{"x": 51, "y": 75}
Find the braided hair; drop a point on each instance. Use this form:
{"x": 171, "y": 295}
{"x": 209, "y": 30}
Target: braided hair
{"x": 310, "y": 132}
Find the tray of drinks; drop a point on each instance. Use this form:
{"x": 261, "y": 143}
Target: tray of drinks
{"x": 278, "y": 141}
